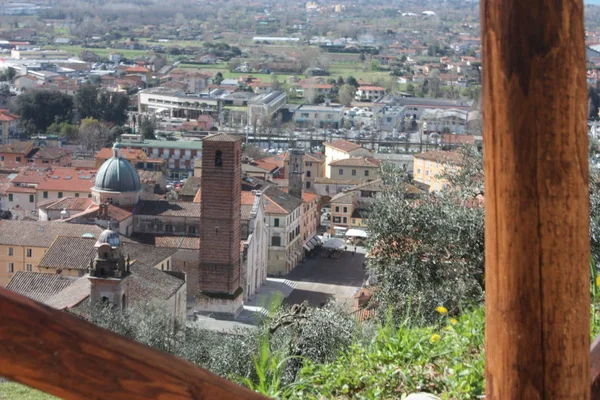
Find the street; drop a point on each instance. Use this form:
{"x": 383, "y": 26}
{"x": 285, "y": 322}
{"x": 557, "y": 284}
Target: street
{"x": 319, "y": 280}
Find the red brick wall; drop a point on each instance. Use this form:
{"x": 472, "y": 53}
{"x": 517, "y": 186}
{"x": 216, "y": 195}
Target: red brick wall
{"x": 220, "y": 217}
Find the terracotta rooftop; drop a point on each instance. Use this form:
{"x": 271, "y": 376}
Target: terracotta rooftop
{"x": 129, "y": 154}
{"x": 41, "y": 234}
{"x": 17, "y": 147}
{"x": 222, "y": 137}
{"x": 38, "y": 286}
{"x": 76, "y": 253}
{"x": 174, "y": 242}
{"x": 51, "y": 153}
{"x": 363, "y": 162}
{"x": 343, "y": 145}
{"x": 440, "y": 156}
{"x": 60, "y": 178}
{"x": 70, "y": 203}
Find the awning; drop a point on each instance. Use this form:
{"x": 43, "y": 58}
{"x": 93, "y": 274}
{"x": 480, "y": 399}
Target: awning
{"x": 313, "y": 242}
{"x": 339, "y": 228}
{"x": 356, "y": 233}
{"x": 334, "y": 244}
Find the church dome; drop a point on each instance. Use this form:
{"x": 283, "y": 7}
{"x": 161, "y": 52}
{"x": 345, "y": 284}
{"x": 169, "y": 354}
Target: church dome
{"x": 109, "y": 237}
{"x": 117, "y": 175}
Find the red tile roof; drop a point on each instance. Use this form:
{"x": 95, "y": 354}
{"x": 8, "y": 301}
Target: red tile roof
{"x": 343, "y": 145}
{"x": 60, "y": 178}
{"x": 129, "y": 154}
{"x": 365, "y": 162}
{"x": 440, "y": 156}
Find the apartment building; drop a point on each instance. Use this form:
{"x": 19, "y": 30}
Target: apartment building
{"x": 341, "y": 150}
{"x": 429, "y": 166}
{"x": 283, "y": 213}
{"x": 363, "y": 168}
{"x": 314, "y": 167}
{"x": 179, "y": 154}
{"x": 25, "y": 250}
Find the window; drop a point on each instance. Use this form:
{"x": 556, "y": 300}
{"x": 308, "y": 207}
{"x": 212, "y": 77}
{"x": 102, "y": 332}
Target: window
{"x": 297, "y": 230}
{"x": 345, "y": 209}
{"x": 192, "y": 230}
{"x": 345, "y": 220}
{"x": 353, "y": 220}
{"x": 336, "y": 220}
{"x": 418, "y": 170}
{"x": 340, "y": 171}
{"x": 45, "y": 195}
{"x": 275, "y": 241}
{"x": 45, "y": 162}
{"x": 353, "y": 172}
{"x": 168, "y": 262}
{"x": 308, "y": 174}
{"x": 276, "y": 222}
{"x": 219, "y": 158}
{"x": 60, "y": 195}
{"x": 76, "y": 194}
{"x": 337, "y": 209}
{"x": 10, "y": 268}
{"x": 308, "y": 185}
{"x": 10, "y": 251}
{"x": 168, "y": 228}
{"x": 366, "y": 172}
{"x": 28, "y": 267}
{"x": 89, "y": 195}
{"x": 1, "y": 158}
{"x": 427, "y": 173}
{"x": 18, "y": 159}
{"x": 10, "y": 197}
{"x": 31, "y": 198}
{"x": 304, "y": 115}
{"x": 29, "y": 253}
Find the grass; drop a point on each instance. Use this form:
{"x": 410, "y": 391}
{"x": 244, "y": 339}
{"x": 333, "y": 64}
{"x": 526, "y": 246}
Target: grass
{"x": 16, "y": 391}
{"x": 445, "y": 359}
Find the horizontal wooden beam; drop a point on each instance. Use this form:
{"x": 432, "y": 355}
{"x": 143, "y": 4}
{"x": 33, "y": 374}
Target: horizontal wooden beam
{"x": 65, "y": 356}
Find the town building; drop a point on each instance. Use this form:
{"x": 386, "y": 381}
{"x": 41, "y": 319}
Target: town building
{"x": 255, "y": 241}
{"x": 33, "y": 186}
{"x": 429, "y": 166}
{"x": 369, "y": 93}
{"x": 389, "y": 118}
{"x": 10, "y": 125}
{"x": 415, "y": 106}
{"x": 314, "y": 167}
{"x": 175, "y": 103}
{"x": 106, "y": 275}
{"x": 450, "y": 121}
{"x": 22, "y": 154}
{"x": 341, "y": 150}
{"x": 23, "y": 244}
{"x": 284, "y": 216}
{"x": 179, "y": 155}
{"x": 318, "y": 116}
{"x": 364, "y": 168}
{"x": 264, "y": 107}
{"x": 349, "y": 209}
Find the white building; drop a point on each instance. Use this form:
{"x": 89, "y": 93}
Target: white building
{"x": 444, "y": 120}
{"x": 254, "y": 233}
{"x": 342, "y": 150}
{"x": 284, "y": 214}
{"x": 369, "y": 93}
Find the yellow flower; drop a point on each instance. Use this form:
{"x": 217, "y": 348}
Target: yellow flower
{"x": 434, "y": 338}
{"x": 442, "y": 310}
{"x": 453, "y": 321}
{"x": 598, "y": 281}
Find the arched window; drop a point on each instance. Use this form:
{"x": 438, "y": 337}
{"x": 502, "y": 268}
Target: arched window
{"x": 219, "y": 158}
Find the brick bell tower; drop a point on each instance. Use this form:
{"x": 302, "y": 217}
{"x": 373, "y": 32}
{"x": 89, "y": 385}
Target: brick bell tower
{"x": 220, "y": 264}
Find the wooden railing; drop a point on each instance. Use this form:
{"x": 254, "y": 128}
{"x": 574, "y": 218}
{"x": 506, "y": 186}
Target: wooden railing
{"x": 65, "y": 356}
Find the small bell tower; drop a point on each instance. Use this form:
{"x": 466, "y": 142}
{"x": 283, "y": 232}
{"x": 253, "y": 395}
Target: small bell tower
{"x": 296, "y": 175}
{"x": 109, "y": 271}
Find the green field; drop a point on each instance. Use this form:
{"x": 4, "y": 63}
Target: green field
{"x": 16, "y": 391}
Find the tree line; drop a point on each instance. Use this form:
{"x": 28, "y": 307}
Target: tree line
{"x": 39, "y": 109}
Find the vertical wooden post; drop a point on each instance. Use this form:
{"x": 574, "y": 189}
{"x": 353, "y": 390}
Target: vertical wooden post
{"x": 537, "y": 221}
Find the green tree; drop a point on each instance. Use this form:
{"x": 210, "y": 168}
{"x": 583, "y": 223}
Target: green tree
{"x": 10, "y": 73}
{"x": 147, "y": 128}
{"x": 86, "y": 102}
{"x": 346, "y": 94}
{"x": 428, "y": 251}
{"x": 352, "y": 81}
{"x": 41, "y": 108}
{"x": 218, "y": 78}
